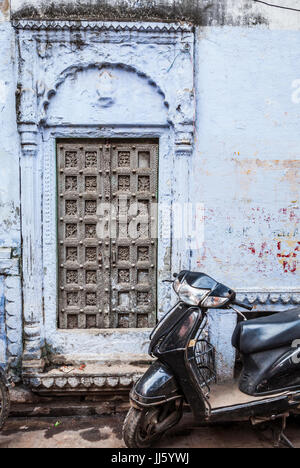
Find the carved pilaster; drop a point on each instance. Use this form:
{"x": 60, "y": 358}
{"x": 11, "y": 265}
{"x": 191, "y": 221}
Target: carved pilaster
{"x": 184, "y": 142}
{"x": 32, "y": 261}
{"x": 184, "y": 104}
{"x": 27, "y": 106}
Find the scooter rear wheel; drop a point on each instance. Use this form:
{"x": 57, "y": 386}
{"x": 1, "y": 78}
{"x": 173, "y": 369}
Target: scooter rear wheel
{"x": 4, "y": 401}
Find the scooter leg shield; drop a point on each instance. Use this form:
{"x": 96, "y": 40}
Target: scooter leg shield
{"x": 158, "y": 385}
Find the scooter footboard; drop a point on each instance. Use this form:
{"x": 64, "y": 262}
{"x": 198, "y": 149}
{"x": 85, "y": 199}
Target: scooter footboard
{"x": 157, "y": 386}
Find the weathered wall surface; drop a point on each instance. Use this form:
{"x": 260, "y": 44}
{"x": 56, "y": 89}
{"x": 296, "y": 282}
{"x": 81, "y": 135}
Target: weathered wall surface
{"x": 247, "y": 155}
{"x": 245, "y": 167}
{"x": 10, "y": 243}
{"x": 200, "y": 12}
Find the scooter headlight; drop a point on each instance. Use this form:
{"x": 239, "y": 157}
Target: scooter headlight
{"x": 188, "y": 294}
{"x": 214, "y": 302}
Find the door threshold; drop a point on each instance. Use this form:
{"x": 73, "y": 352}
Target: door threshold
{"x": 100, "y": 359}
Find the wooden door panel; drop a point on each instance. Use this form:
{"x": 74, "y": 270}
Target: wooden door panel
{"x": 107, "y": 277}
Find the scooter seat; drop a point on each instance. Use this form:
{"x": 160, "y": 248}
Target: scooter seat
{"x": 262, "y": 334}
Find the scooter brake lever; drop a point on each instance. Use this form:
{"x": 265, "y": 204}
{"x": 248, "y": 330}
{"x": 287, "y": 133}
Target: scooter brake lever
{"x": 239, "y": 313}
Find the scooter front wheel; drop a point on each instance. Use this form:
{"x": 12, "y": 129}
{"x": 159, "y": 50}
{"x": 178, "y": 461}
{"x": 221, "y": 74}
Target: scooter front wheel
{"x": 143, "y": 427}
{"x": 136, "y": 434}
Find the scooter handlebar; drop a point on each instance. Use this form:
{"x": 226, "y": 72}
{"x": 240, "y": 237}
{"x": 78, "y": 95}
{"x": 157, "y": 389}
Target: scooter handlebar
{"x": 241, "y": 304}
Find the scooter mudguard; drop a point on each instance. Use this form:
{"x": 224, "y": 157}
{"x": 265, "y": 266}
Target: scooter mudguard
{"x": 157, "y": 386}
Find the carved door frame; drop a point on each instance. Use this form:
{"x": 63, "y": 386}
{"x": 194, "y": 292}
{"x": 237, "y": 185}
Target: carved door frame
{"x": 44, "y": 66}
{"x": 106, "y": 341}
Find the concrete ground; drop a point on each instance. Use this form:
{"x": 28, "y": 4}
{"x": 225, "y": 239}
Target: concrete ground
{"x": 105, "y": 432}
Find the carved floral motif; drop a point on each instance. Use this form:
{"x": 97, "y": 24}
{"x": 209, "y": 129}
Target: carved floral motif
{"x": 91, "y": 184}
{"x": 91, "y": 159}
{"x": 90, "y": 231}
{"x": 91, "y": 299}
{"x": 72, "y": 276}
{"x": 71, "y": 159}
{"x": 71, "y": 183}
{"x": 124, "y": 276}
{"x": 91, "y": 254}
{"x": 144, "y": 184}
{"x": 72, "y": 298}
{"x": 143, "y": 298}
{"x": 124, "y": 183}
{"x": 124, "y": 159}
{"x": 91, "y": 277}
{"x": 71, "y": 230}
{"x": 143, "y": 254}
{"x": 71, "y": 254}
{"x": 123, "y": 254}
{"x": 71, "y": 207}
{"x": 90, "y": 207}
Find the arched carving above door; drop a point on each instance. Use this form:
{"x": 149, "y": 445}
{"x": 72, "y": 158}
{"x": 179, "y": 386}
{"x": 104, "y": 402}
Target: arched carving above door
{"x": 104, "y": 93}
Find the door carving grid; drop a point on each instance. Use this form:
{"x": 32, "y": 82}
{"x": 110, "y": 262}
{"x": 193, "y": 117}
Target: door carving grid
{"x": 107, "y": 194}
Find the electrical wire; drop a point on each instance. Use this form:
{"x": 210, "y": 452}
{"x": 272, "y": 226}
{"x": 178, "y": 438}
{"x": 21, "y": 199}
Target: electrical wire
{"x": 276, "y": 6}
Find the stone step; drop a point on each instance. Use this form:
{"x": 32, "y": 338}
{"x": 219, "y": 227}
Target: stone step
{"x": 86, "y": 378}
{"x": 111, "y": 359}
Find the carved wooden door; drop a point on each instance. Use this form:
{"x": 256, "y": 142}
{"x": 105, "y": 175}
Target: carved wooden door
{"x": 107, "y": 193}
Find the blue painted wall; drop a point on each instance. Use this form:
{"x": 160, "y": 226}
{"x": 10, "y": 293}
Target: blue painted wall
{"x": 244, "y": 170}
{"x": 247, "y": 159}
{"x": 10, "y": 239}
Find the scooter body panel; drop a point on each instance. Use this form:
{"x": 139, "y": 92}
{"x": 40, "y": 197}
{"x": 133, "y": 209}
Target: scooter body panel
{"x": 157, "y": 386}
{"x": 271, "y": 371}
{"x": 169, "y": 378}
{"x": 263, "y": 408}
{"x": 169, "y": 345}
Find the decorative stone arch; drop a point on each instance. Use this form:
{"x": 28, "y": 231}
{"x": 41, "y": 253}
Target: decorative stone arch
{"x": 51, "y": 53}
{"x": 74, "y": 69}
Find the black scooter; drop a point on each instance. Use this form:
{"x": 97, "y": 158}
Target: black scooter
{"x": 184, "y": 373}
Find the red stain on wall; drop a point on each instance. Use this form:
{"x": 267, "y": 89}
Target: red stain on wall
{"x": 288, "y": 260}
{"x": 260, "y": 252}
